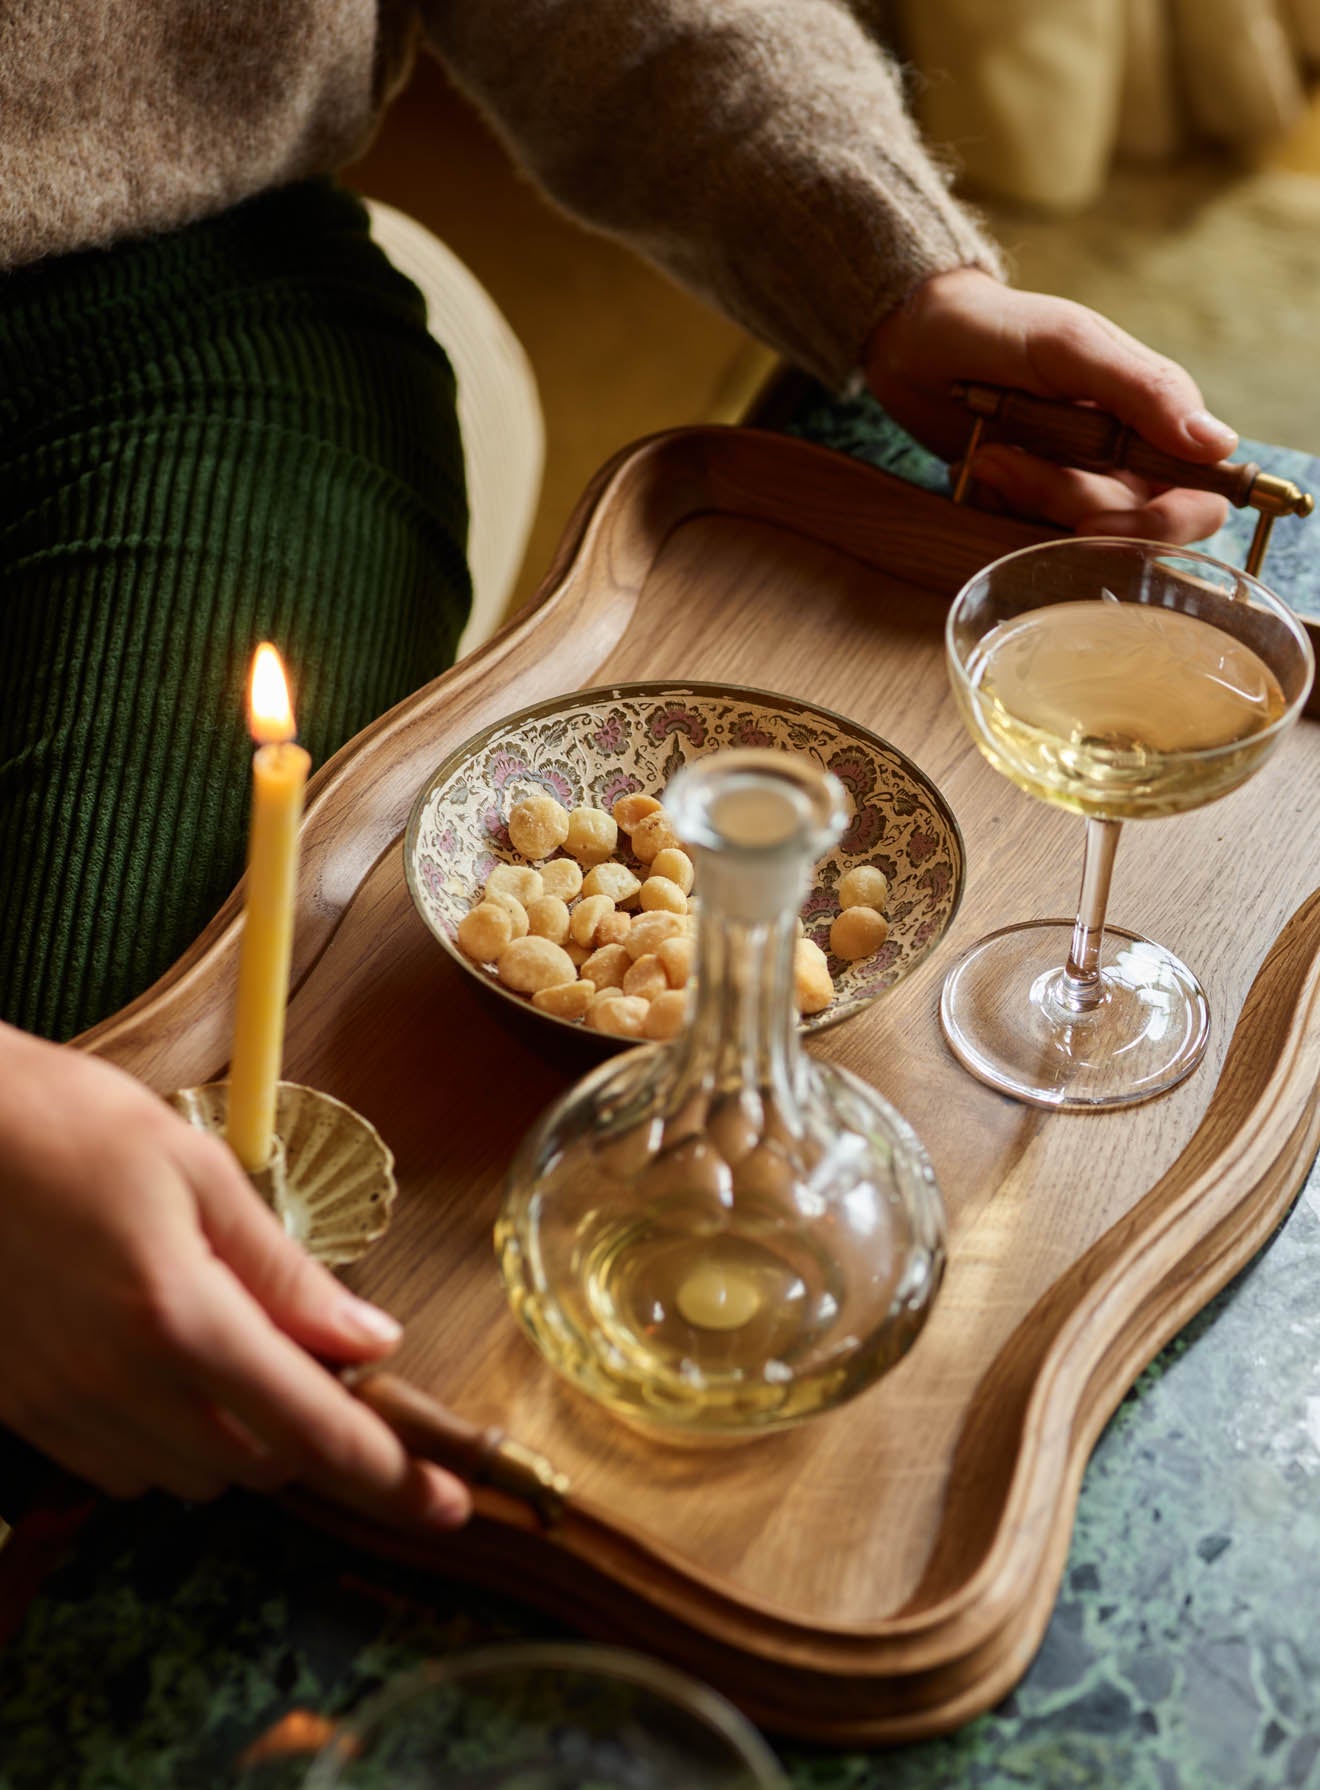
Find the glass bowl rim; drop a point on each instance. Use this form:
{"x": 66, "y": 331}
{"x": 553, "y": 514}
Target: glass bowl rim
{"x": 1273, "y": 603}
{"x": 589, "y": 1658}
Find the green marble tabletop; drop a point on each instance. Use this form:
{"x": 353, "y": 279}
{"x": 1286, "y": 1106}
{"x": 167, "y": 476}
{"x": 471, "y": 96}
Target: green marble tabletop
{"x": 1183, "y": 1652}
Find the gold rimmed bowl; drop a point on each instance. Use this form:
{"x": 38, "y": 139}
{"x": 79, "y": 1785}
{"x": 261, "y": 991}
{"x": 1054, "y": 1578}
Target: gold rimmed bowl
{"x": 594, "y": 746}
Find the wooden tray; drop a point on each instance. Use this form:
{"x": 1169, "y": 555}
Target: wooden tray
{"x": 887, "y": 1571}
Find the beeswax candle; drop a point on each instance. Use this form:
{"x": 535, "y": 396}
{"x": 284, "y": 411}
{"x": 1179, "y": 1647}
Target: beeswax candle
{"x": 279, "y": 773}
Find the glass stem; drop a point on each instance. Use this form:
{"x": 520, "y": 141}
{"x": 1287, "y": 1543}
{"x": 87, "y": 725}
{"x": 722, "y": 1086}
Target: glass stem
{"x": 1080, "y": 988}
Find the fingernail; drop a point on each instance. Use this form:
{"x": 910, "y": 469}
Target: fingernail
{"x": 1208, "y": 431}
{"x": 368, "y": 1322}
{"x": 448, "y": 1501}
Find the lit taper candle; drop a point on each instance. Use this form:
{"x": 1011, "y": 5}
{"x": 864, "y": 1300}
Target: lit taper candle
{"x": 279, "y": 774}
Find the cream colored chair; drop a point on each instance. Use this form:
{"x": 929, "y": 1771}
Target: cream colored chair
{"x": 498, "y": 410}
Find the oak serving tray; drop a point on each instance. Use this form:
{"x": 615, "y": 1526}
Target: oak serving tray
{"x": 887, "y": 1571}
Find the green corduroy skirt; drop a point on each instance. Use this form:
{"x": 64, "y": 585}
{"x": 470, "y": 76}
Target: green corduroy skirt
{"x": 240, "y": 431}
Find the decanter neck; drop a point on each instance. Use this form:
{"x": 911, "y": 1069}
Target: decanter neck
{"x": 755, "y": 822}
{"x": 743, "y": 1030}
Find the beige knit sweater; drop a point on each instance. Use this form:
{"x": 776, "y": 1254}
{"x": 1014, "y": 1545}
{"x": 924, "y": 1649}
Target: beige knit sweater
{"x": 756, "y": 149}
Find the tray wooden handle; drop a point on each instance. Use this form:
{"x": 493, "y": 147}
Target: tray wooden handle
{"x": 478, "y": 1456}
{"x": 1076, "y": 435}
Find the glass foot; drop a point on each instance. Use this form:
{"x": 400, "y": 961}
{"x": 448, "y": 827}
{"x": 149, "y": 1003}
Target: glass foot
{"x": 1004, "y": 1019}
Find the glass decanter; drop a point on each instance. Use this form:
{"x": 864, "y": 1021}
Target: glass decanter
{"x": 721, "y": 1235}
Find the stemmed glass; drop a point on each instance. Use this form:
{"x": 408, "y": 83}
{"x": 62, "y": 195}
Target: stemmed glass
{"x": 1122, "y": 680}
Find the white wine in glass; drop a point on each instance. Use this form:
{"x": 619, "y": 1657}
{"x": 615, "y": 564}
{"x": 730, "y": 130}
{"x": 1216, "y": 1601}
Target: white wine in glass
{"x": 1122, "y": 680}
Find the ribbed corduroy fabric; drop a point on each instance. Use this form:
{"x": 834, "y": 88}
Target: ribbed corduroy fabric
{"x": 240, "y": 431}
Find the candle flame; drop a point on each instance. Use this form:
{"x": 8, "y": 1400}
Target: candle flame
{"x": 270, "y": 713}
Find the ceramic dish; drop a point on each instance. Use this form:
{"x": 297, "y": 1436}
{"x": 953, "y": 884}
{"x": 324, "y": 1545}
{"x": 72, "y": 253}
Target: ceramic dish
{"x": 594, "y": 746}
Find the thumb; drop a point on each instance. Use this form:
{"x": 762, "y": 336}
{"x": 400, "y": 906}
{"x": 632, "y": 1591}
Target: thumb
{"x": 302, "y": 1298}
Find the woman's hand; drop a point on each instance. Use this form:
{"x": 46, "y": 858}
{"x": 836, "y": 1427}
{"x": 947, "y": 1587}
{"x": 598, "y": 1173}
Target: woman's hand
{"x": 965, "y": 325}
{"x": 159, "y": 1326}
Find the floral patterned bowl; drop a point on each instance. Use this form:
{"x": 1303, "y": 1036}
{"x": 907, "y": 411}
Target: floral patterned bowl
{"x": 597, "y": 745}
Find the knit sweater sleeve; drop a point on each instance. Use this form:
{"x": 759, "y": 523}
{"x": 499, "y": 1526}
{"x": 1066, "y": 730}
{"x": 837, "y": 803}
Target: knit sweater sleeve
{"x": 758, "y": 150}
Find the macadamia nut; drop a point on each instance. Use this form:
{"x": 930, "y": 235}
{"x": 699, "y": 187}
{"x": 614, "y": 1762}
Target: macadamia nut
{"x": 592, "y": 836}
{"x": 518, "y": 880}
{"x": 678, "y": 955}
{"x": 614, "y": 928}
{"x": 646, "y": 977}
{"x": 667, "y": 1014}
{"x": 812, "y": 985}
{"x": 676, "y": 866}
{"x": 607, "y": 967}
{"x": 514, "y": 908}
{"x": 562, "y": 877}
{"x": 538, "y": 825}
{"x": 858, "y": 932}
{"x": 484, "y": 931}
{"x": 654, "y": 833}
{"x": 647, "y": 930}
{"x": 864, "y": 886}
{"x": 566, "y": 1000}
{"x": 612, "y": 879}
{"x": 584, "y": 920}
{"x": 531, "y": 963}
{"x": 617, "y": 1015}
{"x": 659, "y": 895}
{"x": 547, "y": 917}
{"x": 628, "y": 810}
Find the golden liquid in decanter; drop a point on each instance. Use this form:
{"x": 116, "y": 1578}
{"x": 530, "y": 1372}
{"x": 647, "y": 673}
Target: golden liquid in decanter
{"x": 691, "y": 1319}
{"x": 1121, "y": 710}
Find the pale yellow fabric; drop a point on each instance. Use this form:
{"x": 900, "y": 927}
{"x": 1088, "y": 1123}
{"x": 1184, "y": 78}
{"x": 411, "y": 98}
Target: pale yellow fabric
{"x": 1244, "y": 80}
{"x": 1303, "y": 17}
{"x": 1037, "y": 98}
{"x": 1150, "y": 124}
{"x": 1024, "y": 92}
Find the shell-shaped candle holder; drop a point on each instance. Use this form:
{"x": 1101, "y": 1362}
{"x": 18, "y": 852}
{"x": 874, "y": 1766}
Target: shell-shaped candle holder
{"x": 330, "y": 1180}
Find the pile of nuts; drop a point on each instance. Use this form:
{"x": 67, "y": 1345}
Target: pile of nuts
{"x": 586, "y": 938}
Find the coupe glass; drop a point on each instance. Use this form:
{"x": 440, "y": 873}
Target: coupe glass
{"x": 546, "y": 1716}
{"x": 1125, "y": 681}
